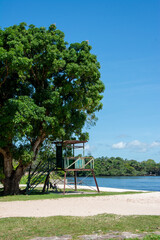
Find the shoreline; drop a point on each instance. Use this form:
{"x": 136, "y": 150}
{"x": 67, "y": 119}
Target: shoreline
{"x": 102, "y": 189}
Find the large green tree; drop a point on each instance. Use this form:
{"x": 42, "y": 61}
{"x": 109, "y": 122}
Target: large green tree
{"x": 48, "y": 89}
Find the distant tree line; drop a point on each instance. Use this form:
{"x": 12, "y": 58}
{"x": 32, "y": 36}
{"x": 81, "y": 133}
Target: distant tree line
{"x": 105, "y": 166}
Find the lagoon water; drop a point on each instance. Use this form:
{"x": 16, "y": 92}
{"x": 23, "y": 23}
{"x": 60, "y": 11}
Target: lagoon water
{"x": 147, "y": 183}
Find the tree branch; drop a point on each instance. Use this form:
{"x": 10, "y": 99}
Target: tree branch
{"x": 37, "y": 144}
{"x": 34, "y": 75}
{"x": 2, "y": 151}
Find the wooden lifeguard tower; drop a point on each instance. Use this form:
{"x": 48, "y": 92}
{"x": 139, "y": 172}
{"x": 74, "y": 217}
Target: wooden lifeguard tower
{"x": 61, "y": 163}
{"x": 73, "y": 164}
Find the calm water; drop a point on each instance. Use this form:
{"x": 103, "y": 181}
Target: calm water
{"x": 147, "y": 183}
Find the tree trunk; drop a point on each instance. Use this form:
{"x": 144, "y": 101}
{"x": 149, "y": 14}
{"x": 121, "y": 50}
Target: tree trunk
{"x": 12, "y": 177}
{"x": 11, "y": 184}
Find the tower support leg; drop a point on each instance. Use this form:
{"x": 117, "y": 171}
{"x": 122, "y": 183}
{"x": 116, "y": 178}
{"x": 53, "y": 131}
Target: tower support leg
{"x": 46, "y": 183}
{"x": 75, "y": 180}
{"x": 28, "y": 182}
{"x": 95, "y": 180}
{"x": 64, "y": 182}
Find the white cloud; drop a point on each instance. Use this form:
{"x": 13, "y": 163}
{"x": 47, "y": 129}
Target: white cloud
{"x": 120, "y": 145}
{"x": 90, "y": 148}
{"x": 87, "y": 147}
{"x": 136, "y": 145}
{"x": 155, "y": 144}
{"x": 140, "y": 146}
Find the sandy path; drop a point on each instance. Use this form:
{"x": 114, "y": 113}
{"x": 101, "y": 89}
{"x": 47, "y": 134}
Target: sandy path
{"x": 136, "y": 204}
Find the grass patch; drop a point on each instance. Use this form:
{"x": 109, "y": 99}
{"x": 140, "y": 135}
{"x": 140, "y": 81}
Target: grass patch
{"x": 38, "y": 195}
{"x": 27, "y": 228}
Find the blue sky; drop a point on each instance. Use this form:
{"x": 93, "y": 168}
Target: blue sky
{"x": 125, "y": 36}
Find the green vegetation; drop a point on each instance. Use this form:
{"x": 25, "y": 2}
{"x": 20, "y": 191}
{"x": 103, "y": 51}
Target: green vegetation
{"x": 105, "y": 166}
{"x": 38, "y": 195}
{"x": 48, "y": 91}
{"x": 28, "y": 228}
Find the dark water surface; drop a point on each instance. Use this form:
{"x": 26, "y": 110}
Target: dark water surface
{"x": 147, "y": 183}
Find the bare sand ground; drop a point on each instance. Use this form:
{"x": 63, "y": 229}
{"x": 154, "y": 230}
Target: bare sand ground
{"x": 130, "y": 204}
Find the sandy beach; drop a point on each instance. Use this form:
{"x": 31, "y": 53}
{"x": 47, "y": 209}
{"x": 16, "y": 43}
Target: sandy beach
{"x": 130, "y": 204}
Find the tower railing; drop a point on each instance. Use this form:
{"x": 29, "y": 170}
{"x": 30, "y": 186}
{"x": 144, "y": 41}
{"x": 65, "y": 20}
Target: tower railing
{"x": 78, "y": 162}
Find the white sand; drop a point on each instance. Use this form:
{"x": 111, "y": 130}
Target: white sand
{"x": 131, "y": 204}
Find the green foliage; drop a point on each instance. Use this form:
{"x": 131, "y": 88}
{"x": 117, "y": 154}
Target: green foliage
{"x": 119, "y": 167}
{"x": 24, "y": 179}
{"x": 48, "y": 89}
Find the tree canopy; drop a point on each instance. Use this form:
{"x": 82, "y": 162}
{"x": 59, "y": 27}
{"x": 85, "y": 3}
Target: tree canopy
{"x": 105, "y": 166}
{"x": 48, "y": 89}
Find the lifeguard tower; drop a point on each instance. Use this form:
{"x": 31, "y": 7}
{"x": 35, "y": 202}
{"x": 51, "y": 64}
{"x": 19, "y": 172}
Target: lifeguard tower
{"x": 61, "y": 163}
{"x": 73, "y": 164}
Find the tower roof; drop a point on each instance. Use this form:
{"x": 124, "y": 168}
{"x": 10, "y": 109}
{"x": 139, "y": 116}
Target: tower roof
{"x": 70, "y": 143}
